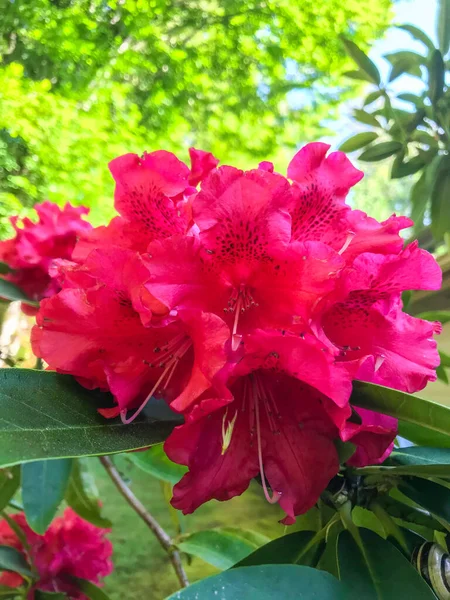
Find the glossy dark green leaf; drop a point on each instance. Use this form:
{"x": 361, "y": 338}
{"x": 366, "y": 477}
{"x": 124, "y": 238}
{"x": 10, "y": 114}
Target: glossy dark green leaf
{"x": 436, "y": 76}
{"x": 155, "y": 461}
{"x": 408, "y": 513}
{"x": 372, "y": 97}
{"x": 289, "y": 582}
{"x": 47, "y": 415}
{"x": 430, "y": 495}
{"x": 423, "y": 461}
{"x": 365, "y": 117}
{"x": 380, "y": 151}
{"x": 359, "y": 75}
{"x": 440, "y": 199}
{"x": 436, "y": 459}
{"x": 443, "y": 25}
{"x": 12, "y": 560}
{"x": 443, "y": 316}
{"x": 82, "y": 494}
{"x": 423, "y": 436}
{"x": 358, "y": 141}
{"x": 90, "y": 590}
{"x": 376, "y": 570}
{"x": 362, "y": 60}
{"x": 44, "y": 484}
{"x": 9, "y": 483}
{"x": 432, "y": 418}
{"x": 294, "y": 548}
{"x": 11, "y": 292}
{"x": 418, "y": 34}
{"x": 222, "y": 547}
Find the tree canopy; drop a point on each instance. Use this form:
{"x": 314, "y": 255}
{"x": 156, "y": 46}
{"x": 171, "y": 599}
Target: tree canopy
{"x": 84, "y": 80}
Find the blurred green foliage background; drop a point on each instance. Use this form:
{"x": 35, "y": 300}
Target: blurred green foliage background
{"x": 82, "y": 81}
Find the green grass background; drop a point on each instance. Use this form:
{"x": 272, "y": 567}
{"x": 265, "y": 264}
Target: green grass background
{"x": 141, "y": 568}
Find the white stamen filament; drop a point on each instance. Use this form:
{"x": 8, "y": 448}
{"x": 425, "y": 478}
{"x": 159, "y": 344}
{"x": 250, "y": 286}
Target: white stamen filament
{"x": 276, "y": 495}
{"x": 347, "y": 242}
{"x": 166, "y": 374}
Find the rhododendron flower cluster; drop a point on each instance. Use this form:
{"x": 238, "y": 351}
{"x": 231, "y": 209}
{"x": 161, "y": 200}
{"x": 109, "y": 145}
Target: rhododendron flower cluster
{"x": 250, "y": 301}
{"x": 31, "y": 253}
{"x": 71, "y": 547}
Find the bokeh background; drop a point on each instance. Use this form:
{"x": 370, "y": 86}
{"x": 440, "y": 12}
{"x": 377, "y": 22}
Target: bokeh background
{"x": 82, "y": 81}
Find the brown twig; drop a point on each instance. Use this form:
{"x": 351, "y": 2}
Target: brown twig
{"x": 162, "y": 537}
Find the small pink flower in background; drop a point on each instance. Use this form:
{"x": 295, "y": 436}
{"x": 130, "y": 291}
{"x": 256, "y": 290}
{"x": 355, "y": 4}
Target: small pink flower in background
{"x": 36, "y": 245}
{"x": 71, "y": 547}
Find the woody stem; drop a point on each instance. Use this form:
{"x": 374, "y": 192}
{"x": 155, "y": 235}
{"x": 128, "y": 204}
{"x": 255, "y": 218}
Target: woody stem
{"x": 162, "y": 537}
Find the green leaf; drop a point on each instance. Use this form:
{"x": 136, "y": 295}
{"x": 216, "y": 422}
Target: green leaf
{"x": 90, "y": 590}
{"x": 418, "y": 34}
{"x": 440, "y": 199}
{"x": 359, "y": 75}
{"x": 433, "y": 497}
{"x": 4, "y": 268}
{"x": 9, "y": 483}
{"x": 419, "y": 196}
{"x": 358, "y": 141}
{"x": 405, "y": 62}
{"x": 424, "y": 138}
{"x": 408, "y": 513}
{"x": 82, "y": 494}
{"x": 403, "y": 169}
{"x": 364, "y": 117}
{"x": 156, "y": 462}
{"x": 423, "y": 461}
{"x": 442, "y": 374}
{"x": 47, "y": 415}
{"x": 345, "y": 450}
{"x": 407, "y": 97}
{"x": 443, "y": 21}
{"x": 11, "y": 292}
{"x": 432, "y": 418}
{"x": 362, "y": 60}
{"x": 12, "y": 560}
{"x": 436, "y": 76}
{"x": 40, "y": 595}
{"x": 445, "y": 358}
{"x": 289, "y": 582}
{"x": 7, "y": 593}
{"x": 372, "y": 97}
{"x": 376, "y": 570}
{"x": 443, "y": 316}
{"x": 44, "y": 484}
{"x": 221, "y": 547}
{"x": 380, "y": 151}
{"x": 295, "y": 548}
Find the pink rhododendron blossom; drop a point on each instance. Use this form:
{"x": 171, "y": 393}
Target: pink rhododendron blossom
{"x": 31, "y": 252}
{"x": 93, "y": 329}
{"x": 71, "y": 547}
{"x": 374, "y": 437}
{"x": 250, "y": 304}
{"x": 285, "y": 402}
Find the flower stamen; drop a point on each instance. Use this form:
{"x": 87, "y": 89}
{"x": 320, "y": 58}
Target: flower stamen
{"x": 169, "y": 368}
